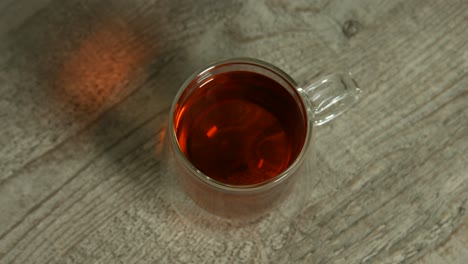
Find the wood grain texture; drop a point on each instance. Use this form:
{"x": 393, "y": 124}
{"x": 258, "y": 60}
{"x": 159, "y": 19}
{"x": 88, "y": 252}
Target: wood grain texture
{"x": 85, "y": 88}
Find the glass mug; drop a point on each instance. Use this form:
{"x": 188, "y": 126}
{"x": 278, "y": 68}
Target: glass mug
{"x": 238, "y": 133}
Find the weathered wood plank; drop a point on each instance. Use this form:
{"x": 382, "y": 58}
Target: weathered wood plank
{"x": 85, "y": 88}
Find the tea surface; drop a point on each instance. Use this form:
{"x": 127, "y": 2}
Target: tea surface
{"x": 240, "y": 127}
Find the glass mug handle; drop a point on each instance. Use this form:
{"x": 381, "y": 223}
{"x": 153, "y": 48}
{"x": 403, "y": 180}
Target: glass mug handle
{"x": 331, "y": 96}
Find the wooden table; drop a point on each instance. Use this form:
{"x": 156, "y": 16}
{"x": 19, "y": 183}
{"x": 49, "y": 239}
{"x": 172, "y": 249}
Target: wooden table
{"x": 85, "y": 88}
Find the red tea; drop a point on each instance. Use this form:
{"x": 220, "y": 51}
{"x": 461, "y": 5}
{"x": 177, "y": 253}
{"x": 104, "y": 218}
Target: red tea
{"x": 240, "y": 127}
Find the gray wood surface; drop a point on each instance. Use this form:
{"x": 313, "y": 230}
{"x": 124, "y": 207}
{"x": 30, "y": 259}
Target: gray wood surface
{"x": 85, "y": 88}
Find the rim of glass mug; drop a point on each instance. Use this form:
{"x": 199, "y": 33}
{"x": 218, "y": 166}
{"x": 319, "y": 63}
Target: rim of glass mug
{"x": 307, "y": 107}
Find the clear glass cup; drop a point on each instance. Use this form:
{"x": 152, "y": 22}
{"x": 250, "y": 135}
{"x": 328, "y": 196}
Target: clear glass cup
{"x": 213, "y": 205}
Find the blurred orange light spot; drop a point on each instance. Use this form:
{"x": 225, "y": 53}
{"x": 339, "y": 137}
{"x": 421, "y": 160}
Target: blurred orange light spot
{"x": 260, "y": 163}
{"x": 161, "y": 136}
{"x": 96, "y": 72}
{"x": 212, "y": 131}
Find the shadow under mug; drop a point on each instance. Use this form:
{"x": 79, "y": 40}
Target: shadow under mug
{"x": 319, "y": 103}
